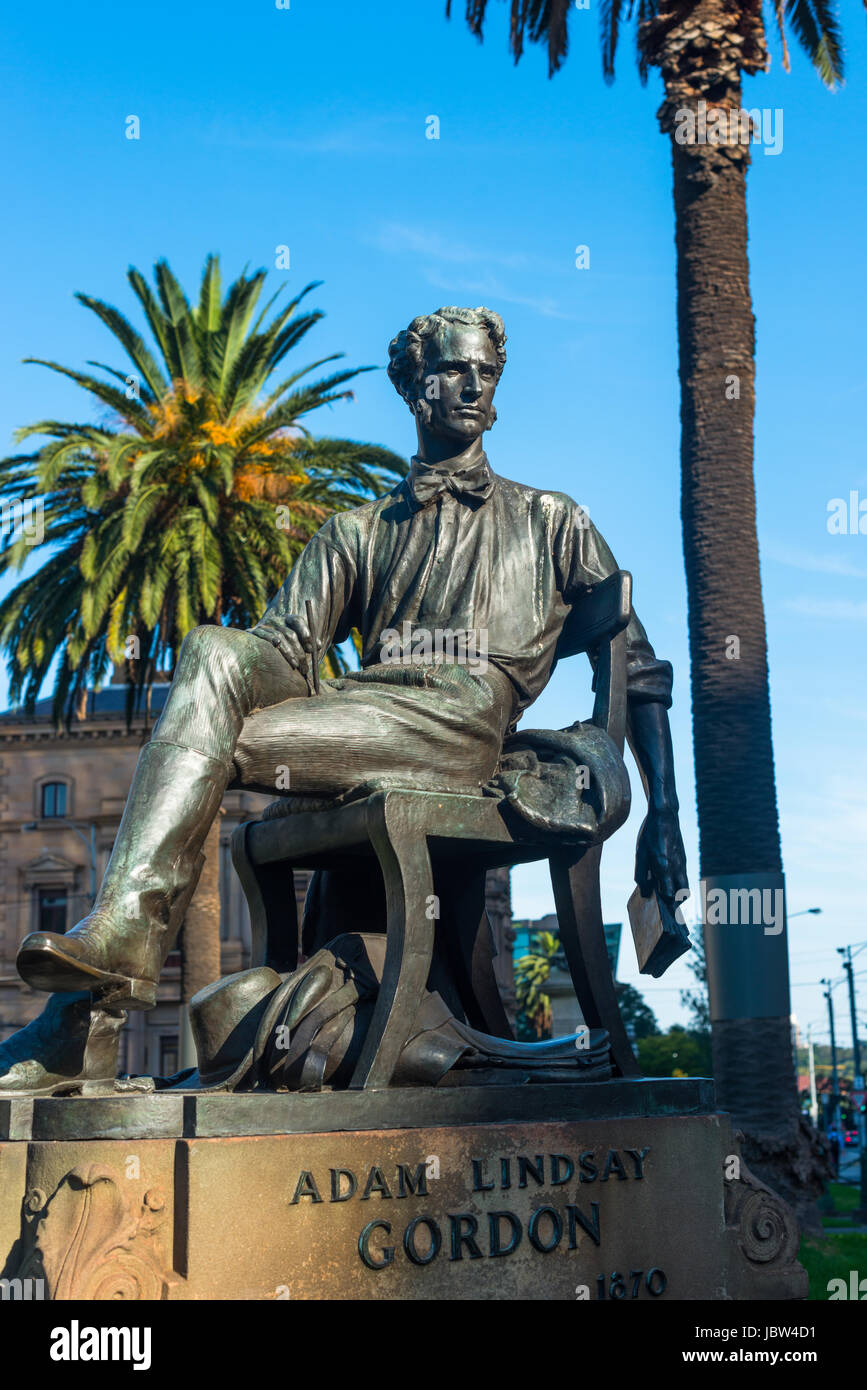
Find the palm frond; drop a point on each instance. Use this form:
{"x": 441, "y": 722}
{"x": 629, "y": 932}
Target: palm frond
{"x": 817, "y": 30}
{"x": 208, "y": 314}
{"x": 117, "y": 400}
{"x": 609, "y": 33}
{"x": 153, "y": 314}
{"x": 235, "y": 320}
{"x": 814, "y": 22}
{"x": 138, "y": 352}
{"x": 540, "y": 21}
{"x": 780, "y": 17}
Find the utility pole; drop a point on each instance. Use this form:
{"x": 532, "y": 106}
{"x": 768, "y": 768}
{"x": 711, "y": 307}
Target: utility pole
{"x": 834, "y": 1091}
{"x": 846, "y": 953}
{"x": 858, "y": 1083}
{"x": 814, "y": 1104}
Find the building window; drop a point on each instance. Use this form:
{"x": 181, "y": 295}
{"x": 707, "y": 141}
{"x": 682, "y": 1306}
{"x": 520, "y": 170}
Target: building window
{"x": 175, "y": 956}
{"x": 53, "y": 800}
{"x": 51, "y": 909}
{"x": 168, "y": 1055}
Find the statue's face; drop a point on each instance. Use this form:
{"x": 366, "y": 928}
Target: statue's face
{"x": 463, "y": 362}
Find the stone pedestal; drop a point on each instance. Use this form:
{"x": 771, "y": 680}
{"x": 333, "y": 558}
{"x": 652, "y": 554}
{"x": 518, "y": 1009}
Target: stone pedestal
{"x": 615, "y": 1190}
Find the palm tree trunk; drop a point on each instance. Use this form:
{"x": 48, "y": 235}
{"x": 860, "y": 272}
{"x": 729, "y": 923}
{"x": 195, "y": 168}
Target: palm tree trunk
{"x": 734, "y": 763}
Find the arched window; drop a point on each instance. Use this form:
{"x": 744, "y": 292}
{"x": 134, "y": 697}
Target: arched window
{"x": 53, "y": 800}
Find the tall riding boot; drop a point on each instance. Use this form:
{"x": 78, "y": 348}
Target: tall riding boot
{"x": 119, "y": 949}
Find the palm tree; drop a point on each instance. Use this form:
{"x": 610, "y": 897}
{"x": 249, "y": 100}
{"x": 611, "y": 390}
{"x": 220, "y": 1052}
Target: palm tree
{"x": 186, "y": 504}
{"x": 189, "y": 501}
{"x": 702, "y": 48}
{"x": 535, "y": 1020}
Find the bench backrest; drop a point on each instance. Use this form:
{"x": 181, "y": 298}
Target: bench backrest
{"x": 596, "y": 625}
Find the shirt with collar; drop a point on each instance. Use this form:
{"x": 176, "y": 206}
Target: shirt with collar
{"x": 478, "y": 553}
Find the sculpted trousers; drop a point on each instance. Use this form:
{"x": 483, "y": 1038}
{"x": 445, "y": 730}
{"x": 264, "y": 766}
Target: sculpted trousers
{"x": 238, "y": 713}
{"x": 235, "y": 699}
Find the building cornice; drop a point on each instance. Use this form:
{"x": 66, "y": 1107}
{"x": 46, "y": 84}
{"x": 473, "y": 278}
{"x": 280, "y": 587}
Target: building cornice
{"x": 133, "y": 738}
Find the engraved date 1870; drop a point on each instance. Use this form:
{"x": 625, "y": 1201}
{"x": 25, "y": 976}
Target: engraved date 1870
{"x": 617, "y": 1285}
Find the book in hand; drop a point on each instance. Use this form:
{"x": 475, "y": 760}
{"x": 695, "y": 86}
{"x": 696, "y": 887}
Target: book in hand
{"x": 659, "y": 937}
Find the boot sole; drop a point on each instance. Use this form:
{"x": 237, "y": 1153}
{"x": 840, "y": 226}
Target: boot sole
{"x": 49, "y": 968}
{"x": 62, "y": 1088}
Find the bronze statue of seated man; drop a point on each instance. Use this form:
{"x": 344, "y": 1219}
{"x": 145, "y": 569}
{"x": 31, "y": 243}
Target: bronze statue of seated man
{"x": 452, "y": 549}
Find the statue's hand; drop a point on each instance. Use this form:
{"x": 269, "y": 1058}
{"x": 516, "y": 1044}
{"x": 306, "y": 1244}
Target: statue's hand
{"x": 290, "y": 636}
{"x": 660, "y": 859}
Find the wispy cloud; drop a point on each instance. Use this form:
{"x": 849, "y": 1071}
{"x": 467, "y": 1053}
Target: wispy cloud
{"x": 440, "y": 252}
{"x": 834, "y": 609}
{"x": 826, "y": 849}
{"x": 812, "y": 563}
{"x": 845, "y": 711}
{"x": 397, "y": 236}
{"x": 355, "y": 137}
{"x": 490, "y": 290}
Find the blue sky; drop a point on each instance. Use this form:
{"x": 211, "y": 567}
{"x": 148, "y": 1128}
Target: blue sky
{"x": 305, "y": 127}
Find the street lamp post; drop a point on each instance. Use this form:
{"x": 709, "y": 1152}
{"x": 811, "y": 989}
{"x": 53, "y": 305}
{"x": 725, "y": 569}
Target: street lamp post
{"x": 858, "y": 1080}
{"x": 834, "y": 1103}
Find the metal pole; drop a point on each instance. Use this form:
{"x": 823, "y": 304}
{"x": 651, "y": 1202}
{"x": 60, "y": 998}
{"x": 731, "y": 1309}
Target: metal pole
{"x": 858, "y": 1081}
{"x": 814, "y": 1104}
{"x": 834, "y": 1100}
{"x": 847, "y": 966}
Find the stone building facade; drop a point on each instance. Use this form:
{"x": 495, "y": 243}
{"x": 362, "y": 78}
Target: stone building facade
{"x": 62, "y": 795}
{"x": 61, "y": 799}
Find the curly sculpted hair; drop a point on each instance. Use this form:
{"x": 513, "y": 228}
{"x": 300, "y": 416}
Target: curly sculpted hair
{"x": 406, "y": 352}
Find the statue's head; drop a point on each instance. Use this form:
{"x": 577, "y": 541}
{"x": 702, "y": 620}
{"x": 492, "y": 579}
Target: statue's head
{"x": 446, "y": 366}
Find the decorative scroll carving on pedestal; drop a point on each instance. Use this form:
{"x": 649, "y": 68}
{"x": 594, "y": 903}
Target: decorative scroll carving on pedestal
{"x": 763, "y": 1229}
{"x": 90, "y": 1241}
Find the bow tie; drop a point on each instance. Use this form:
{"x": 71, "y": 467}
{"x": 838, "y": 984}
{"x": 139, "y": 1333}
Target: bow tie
{"x": 427, "y": 481}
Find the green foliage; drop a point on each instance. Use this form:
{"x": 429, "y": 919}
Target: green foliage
{"x": 822, "y": 1058}
{"x": 638, "y": 1017}
{"x": 191, "y": 498}
{"x": 832, "y": 1258}
{"x": 534, "y": 1021}
{"x": 846, "y": 1198}
{"x": 696, "y": 1000}
{"x": 531, "y": 971}
{"x": 679, "y": 1052}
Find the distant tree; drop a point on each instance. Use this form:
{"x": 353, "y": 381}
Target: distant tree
{"x": 696, "y": 1000}
{"x": 679, "y": 1052}
{"x": 635, "y": 1011}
